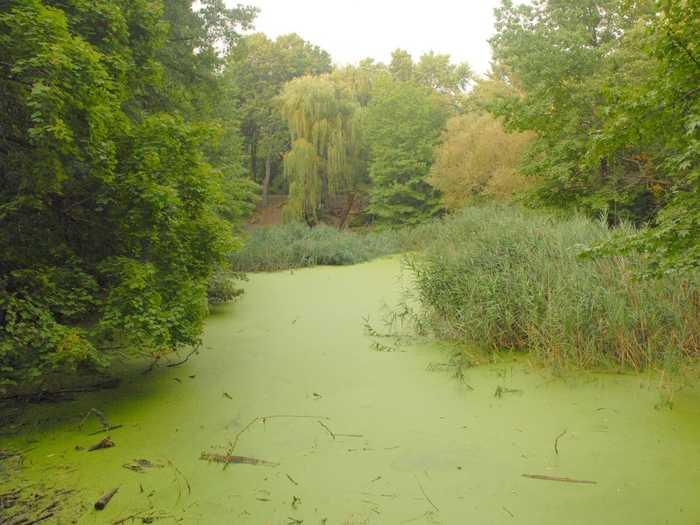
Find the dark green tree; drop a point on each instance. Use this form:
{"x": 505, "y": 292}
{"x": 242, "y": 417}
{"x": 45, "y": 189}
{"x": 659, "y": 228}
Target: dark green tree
{"x": 564, "y": 58}
{"x": 404, "y": 122}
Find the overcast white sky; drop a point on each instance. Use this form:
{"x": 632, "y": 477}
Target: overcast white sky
{"x": 351, "y": 30}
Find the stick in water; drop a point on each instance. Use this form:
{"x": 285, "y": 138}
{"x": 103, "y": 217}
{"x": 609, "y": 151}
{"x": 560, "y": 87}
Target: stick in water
{"x": 555, "y": 478}
{"x": 556, "y": 442}
{"x": 104, "y": 500}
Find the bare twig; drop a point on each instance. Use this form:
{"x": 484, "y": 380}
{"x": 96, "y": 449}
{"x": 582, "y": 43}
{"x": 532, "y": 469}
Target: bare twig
{"x": 327, "y": 430}
{"x": 290, "y": 478}
{"x": 178, "y": 471}
{"x": 426, "y": 496}
{"x": 42, "y": 518}
{"x": 556, "y": 442}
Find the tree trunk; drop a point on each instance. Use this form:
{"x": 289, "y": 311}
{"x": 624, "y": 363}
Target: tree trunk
{"x": 604, "y": 168}
{"x": 266, "y": 180}
{"x": 254, "y": 158}
{"x": 348, "y": 209}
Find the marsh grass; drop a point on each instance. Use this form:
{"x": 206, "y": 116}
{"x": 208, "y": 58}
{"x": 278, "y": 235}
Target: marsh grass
{"x": 295, "y": 245}
{"x": 498, "y": 277}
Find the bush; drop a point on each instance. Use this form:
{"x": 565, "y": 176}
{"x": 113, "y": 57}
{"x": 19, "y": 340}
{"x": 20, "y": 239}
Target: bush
{"x": 505, "y": 278}
{"x": 222, "y": 288}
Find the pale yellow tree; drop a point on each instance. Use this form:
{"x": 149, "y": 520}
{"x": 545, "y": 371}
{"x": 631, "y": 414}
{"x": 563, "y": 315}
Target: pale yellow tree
{"x": 477, "y": 158}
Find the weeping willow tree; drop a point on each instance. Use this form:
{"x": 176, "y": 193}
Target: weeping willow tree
{"x": 327, "y": 154}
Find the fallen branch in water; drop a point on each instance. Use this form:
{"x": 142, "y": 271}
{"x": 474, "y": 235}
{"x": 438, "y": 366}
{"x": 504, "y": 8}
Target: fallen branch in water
{"x": 101, "y": 503}
{"x": 185, "y": 359}
{"x": 106, "y": 429}
{"x": 555, "y": 478}
{"x": 106, "y": 425}
{"x": 556, "y": 442}
{"x": 228, "y": 459}
{"x": 103, "y": 443}
{"x": 263, "y": 419}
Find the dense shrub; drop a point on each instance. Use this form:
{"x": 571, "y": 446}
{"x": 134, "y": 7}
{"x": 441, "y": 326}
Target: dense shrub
{"x": 505, "y": 278}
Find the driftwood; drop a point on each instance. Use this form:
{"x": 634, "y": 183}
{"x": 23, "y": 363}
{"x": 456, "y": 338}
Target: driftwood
{"x": 103, "y": 443}
{"x": 104, "y": 500}
{"x": 556, "y": 478}
{"x": 228, "y": 459}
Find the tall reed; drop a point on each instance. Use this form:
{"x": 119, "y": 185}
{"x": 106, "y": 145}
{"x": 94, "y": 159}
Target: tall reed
{"x": 500, "y": 277}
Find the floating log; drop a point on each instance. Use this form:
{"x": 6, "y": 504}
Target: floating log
{"x": 101, "y": 503}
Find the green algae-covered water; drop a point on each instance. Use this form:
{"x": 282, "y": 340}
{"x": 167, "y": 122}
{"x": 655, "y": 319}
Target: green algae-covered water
{"x": 359, "y": 436}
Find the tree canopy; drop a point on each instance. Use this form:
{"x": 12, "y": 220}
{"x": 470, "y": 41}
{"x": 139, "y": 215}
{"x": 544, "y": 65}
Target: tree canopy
{"x": 610, "y": 88}
{"x": 257, "y": 70}
{"x": 111, "y": 223}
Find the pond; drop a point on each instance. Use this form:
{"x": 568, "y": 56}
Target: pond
{"x": 347, "y": 434}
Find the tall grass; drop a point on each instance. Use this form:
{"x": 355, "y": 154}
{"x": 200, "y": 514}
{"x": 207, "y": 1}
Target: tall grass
{"x": 296, "y": 245}
{"x": 506, "y": 278}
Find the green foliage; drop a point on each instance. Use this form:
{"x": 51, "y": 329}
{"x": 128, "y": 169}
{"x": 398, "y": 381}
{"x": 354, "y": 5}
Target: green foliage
{"x": 222, "y": 287}
{"x": 562, "y": 57}
{"x": 610, "y": 88}
{"x": 403, "y": 125}
{"x": 434, "y": 71}
{"x": 112, "y": 218}
{"x": 661, "y": 114}
{"x": 503, "y": 278}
